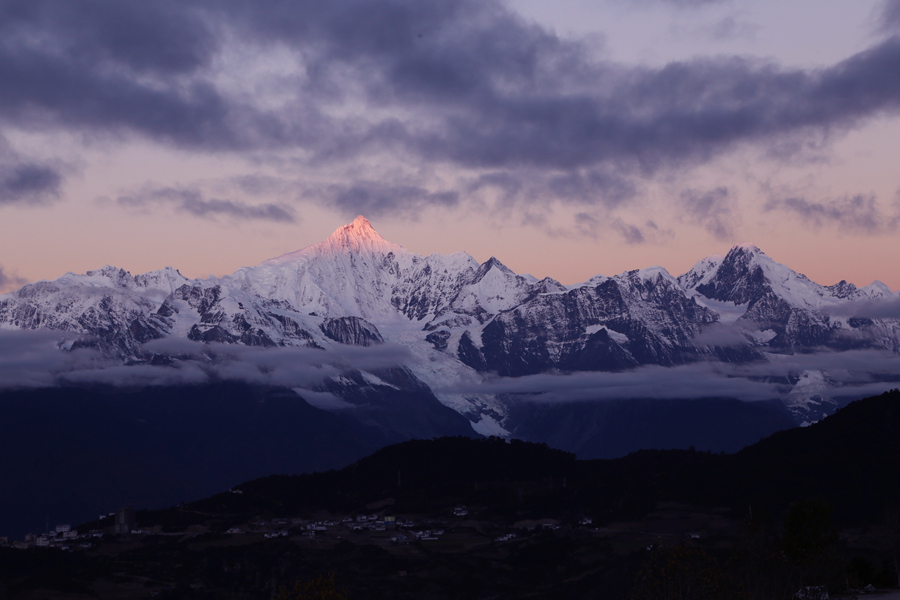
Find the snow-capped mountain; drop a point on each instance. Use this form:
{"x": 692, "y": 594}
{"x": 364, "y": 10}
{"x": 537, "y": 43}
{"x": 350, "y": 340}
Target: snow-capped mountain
{"x": 784, "y": 310}
{"x": 461, "y": 322}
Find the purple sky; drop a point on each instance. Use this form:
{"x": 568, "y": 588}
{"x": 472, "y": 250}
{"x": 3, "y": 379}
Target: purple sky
{"x": 586, "y": 137}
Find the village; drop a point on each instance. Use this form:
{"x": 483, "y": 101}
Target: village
{"x": 457, "y": 530}
{"x": 379, "y": 528}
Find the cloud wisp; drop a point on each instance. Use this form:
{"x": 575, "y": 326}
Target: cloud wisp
{"x": 859, "y": 213}
{"x": 10, "y": 281}
{"x": 25, "y": 182}
{"x": 193, "y": 202}
{"x": 713, "y": 209}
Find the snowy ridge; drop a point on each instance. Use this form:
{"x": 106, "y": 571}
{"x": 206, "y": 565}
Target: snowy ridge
{"x": 784, "y": 310}
{"x": 701, "y": 272}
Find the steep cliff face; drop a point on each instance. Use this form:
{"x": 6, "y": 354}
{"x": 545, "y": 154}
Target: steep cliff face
{"x": 353, "y": 331}
{"x": 639, "y": 317}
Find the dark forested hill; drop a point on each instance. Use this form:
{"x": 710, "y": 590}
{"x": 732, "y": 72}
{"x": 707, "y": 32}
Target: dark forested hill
{"x": 686, "y": 512}
{"x": 849, "y": 458}
{"x": 68, "y": 453}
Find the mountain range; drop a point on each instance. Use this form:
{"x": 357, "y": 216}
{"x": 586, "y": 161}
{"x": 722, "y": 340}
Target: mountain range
{"x": 479, "y": 337}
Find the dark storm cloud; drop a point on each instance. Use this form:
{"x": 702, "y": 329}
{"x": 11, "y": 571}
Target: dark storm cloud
{"x": 890, "y": 16}
{"x": 146, "y": 37}
{"x": 374, "y": 198}
{"x": 193, "y": 202}
{"x": 596, "y": 186}
{"x": 710, "y": 208}
{"x": 859, "y": 213}
{"x": 104, "y": 66}
{"x": 601, "y": 186}
{"x": 460, "y": 82}
{"x": 26, "y": 182}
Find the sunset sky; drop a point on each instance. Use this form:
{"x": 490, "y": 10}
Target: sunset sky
{"x": 567, "y": 138}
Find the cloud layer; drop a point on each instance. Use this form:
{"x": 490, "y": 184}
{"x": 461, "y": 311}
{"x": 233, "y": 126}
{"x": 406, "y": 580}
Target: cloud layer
{"x": 193, "y": 201}
{"x": 465, "y": 84}
{"x": 37, "y": 359}
{"x": 24, "y": 181}
{"x": 855, "y": 374}
{"x": 890, "y": 16}
{"x": 857, "y": 213}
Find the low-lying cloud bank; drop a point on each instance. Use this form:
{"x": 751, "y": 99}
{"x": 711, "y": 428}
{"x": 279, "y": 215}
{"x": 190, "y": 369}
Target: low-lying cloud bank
{"x": 853, "y": 373}
{"x": 688, "y": 381}
{"x": 887, "y": 308}
{"x": 38, "y": 359}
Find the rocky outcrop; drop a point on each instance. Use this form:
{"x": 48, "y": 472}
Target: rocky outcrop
{"x": 352, "y": 331}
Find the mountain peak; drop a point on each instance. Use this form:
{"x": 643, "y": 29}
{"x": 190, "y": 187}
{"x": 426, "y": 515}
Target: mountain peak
{"x": 653, "y": 274}
{"x": 750, "y": 254}
{"x": 356, "y": 234}
{"x": 746, "y": 248}
{"x": 493, "y": 263}
{"x": 361, "y": 225}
